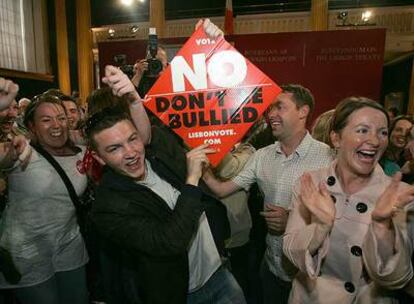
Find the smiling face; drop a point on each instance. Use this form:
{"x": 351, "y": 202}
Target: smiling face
{"x": 8, "y": 117}
{"x": 361, "y": 143}
{"x": 121, "y": 148}
{"x": 285, "y": 118}
{"x": 50, "y": 126}
{"x": 399, "y": 135}
{"x": 73, "y": 114}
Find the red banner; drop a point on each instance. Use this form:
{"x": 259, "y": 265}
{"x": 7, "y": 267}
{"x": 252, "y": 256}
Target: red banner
{"x": 211, "y": 94}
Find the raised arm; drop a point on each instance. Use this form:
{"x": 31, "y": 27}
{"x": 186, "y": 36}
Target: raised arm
{"x": 305, "y": 242}
{"x": 16, "y": 150}
{"x": 121, "y": 85}
{"x": 387, "y": 249}
{"x": 219, "y": 188}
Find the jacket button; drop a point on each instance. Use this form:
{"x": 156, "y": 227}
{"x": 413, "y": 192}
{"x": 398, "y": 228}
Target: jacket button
{"x": 333, "y": 198}
{"x": 356, "y": 251}
{"x": 361, "y": 207}
{"x": 331, "y": 181}
{"x": 349, "y": 287}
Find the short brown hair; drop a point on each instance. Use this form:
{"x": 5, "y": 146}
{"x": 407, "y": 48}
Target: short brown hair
{"x": 102, "y": 120}
{"x": 348, "y": 106}
{"x": 301, "y": 96}
{"x": 103, "y": 98}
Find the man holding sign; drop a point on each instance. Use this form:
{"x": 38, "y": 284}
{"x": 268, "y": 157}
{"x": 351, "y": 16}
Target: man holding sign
{"x": 275, "y": 169}
{"x": 150, "y": 206}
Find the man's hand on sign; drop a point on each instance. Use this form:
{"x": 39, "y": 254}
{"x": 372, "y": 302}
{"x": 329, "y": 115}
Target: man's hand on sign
{"x": 276, "y": 218}
{"x": 120, "y": 84}
{"x": 8, "y": 92}
{"x": 210, "y": 28}
{"x": 197, "y": 160}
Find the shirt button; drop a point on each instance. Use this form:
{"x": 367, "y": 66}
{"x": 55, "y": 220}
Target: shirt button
{"x": 349, "y": 287}
{"x": 331, "y": 181}
{"x": 361, "y": 207}
{"x": 333, "y": 198}
{"x": 356, "y": 251}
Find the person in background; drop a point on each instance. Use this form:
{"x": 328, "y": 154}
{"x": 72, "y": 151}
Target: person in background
{"x": 393, "y": 158}
{"x": 238, "y": 214}
{"x": 321, "y": 127}
{"x": 8, "y": 131}
{"x": 72, "y": 111}
{"x": 275, "y": 168}
{"x": 7, "y": 121}
{"x": 393, "y": 112}
{"x": 140, "y": 79}
{"x": 335, "y": 209}
{"x": 22, "y": 104}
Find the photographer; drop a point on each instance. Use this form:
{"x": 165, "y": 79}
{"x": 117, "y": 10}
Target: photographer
{"x": 143, "y": 79}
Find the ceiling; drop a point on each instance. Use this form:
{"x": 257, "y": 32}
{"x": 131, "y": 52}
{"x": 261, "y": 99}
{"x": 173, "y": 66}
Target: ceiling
{"x": 105, "y": 12}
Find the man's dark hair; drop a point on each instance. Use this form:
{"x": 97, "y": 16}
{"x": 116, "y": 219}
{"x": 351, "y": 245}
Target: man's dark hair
{"x": 102, "y": 120}
{"x": 301, "y": 96}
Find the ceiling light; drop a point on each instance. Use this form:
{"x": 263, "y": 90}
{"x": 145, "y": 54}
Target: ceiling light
{"x": 366, "y": 16}
{"x": 111, "y": 32}
{"x": 133, "y": 29}
{"x": 126, "y": 2}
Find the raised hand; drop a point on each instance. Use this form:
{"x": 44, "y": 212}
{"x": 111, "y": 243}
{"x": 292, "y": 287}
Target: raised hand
{"x": 140, "y": 67}
{"x": 317, "y": 200}
{"x": 210, "y": 28}
{"x": 196, "y": 161}
{"x": 8, "y": 92}
{"x": 392, "y": 199}
{"x": 120, "y": 83}
{"x": 276, "y": 218}
{"x": 23, "y": 150}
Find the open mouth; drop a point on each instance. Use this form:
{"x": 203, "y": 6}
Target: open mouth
{"x": 134, "y": 164}
{"x": 275, "y": 123}
{"x": 56, "y": 134}
{"x": 401, "y": 141}
{"x": 367, "y": 155}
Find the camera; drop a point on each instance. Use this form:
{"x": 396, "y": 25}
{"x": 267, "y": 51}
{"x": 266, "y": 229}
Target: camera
{"x": 121, "y": 62}
{"x": 154, "y": 65}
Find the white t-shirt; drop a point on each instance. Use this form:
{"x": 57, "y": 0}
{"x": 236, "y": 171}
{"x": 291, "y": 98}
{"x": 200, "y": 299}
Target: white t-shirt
{"x": 39, "y": 223}
{"x": 203, "y": 256}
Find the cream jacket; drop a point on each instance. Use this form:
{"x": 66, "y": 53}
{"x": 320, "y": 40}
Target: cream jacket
{"x": 346, "y": 267}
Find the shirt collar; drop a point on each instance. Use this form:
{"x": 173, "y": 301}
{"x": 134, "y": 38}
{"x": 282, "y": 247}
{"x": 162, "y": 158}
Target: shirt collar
{"x": 303, "y": 147}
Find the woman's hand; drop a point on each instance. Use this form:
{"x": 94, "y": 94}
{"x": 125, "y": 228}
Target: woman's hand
{"x": 317, "y": 200}
{"x": 391, "y": 200}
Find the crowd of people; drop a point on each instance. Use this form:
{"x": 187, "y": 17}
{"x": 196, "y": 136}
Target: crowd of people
{"x": 109, "y": 206}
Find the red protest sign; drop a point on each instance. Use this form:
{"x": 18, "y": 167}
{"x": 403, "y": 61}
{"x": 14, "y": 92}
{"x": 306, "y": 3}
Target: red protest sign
{"x": 210, "y": 94}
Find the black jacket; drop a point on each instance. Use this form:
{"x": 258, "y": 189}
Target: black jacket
{"x": 139, "y": 223}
